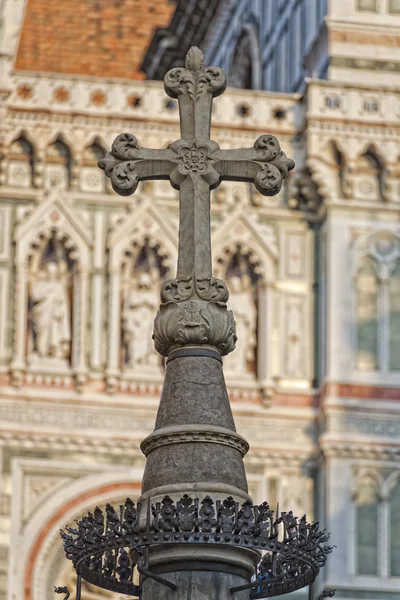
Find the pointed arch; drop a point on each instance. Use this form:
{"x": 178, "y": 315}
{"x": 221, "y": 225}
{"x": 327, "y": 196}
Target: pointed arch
{"x": 370, "y": 176}
{"x": 20, "y": 162}
{"x": 330, "y": 170}
{"x": 392, "y": 489}
{"x": 93, "y": 179}
{"x": 367, "y": 504}
{"x": 38, "y": 536}
{"x": 58, "y": 167}
{"x": 245, "y": 71}
{"x": 394, "y": 317}
{"x": 246, "y": 255}
{"x": 51, "y": 235}
{"x": 256, "y": 239}
{"x": 367, "y": 311}
{"x": 93, "y": 152}
{"x": 369, "y": 477}
{"x": 142, "y": 252}
{"x": 376, "y": 277}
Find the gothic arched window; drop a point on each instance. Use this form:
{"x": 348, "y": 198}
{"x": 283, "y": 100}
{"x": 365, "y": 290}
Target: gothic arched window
{"x": 378, "y": 305}
{"x": 394, "y": 316}
{"x": 367, "y": 316}
{"x": 245, "y": 66}
{"x": 369, "y": 177}
{"x": 20, "y": 163}
{"x": 92, "y": 178}
{"x": 394, "y": 531}
{"x": 242, "y": 276}
{"x": 367, "y": 512}
{"x": 336, "y": 161}
{"x": 52, "y": 267}
{"x": 58, "y": 165}
{"x": 143, "y": 270}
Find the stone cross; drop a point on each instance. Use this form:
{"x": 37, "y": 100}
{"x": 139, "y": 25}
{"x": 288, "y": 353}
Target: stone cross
{"x": 193, "y": 310}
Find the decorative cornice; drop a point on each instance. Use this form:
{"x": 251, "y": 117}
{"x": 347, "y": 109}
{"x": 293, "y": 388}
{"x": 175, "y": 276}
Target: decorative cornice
{"x": 180, "y": 434}
{"x": 66, "y": 443}
{"x": 350, "y": 451}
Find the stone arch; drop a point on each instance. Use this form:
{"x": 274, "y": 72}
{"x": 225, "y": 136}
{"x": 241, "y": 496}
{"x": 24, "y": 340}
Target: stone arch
{"x": 369, "y": 177}
{"x": 391, "y": 491}
{"x": 367, "y": 498}
{"x": 245, "y": 70}
{"x": 382, "y": 245}
{"x": 242, "y": 276}
{"x": 52, "y": 234}
{"x": 142, "y": 253}
{"x": 245, "y": 255}
{"x": 390, "y": 483}
{"x": 58, "y": 164}
{"x": 93, "y": 179}
{"x": 144, "y": 267}
{"x": 329, "y": 170}
{"x": 41, "y": 555}
{"x": 371, "y": 477}
{"x": 376, "y": 305}
{"x": 255, "y": 238}
{"x": 19, "y": 163}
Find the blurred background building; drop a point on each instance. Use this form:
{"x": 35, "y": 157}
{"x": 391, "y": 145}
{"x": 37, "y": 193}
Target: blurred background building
{"x": 314, "y": 273}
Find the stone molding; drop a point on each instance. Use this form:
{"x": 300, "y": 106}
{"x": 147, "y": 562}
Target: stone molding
{"x": 367, "y": 425}
{"x": 152, "y": 105}
{"x": 194, "y": 433}
{"x": 72, "y": 422}
{"x": 35, "y": 442}
{"x": 340, "y": 449}
{"x": 195, "y": 489}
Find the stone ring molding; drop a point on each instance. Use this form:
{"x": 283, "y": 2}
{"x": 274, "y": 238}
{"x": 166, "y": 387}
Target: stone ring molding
{"x": 180, "y": 434}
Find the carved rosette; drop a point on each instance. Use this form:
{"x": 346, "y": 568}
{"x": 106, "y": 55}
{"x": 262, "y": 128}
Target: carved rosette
{"x": 195, "y": 159}
{"x": 194, "y": 313}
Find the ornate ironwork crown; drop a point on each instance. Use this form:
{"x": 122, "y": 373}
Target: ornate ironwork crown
{"x": 106, "y": 548}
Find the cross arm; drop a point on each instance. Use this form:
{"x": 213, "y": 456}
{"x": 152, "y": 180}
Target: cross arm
{"x": 264, "y": 164}
{"x": 128, "y": 163}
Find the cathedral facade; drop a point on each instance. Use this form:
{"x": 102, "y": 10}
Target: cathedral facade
{"x": 313, "y": 273}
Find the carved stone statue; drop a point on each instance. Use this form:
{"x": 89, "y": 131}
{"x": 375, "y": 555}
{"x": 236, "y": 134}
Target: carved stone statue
{"x": 139, "y": 311}
{"x": 244, "y": 310}
{"x": 50, "y": 315}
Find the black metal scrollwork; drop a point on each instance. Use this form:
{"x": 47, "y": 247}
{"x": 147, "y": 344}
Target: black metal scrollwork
{"x": 104, "y": 544}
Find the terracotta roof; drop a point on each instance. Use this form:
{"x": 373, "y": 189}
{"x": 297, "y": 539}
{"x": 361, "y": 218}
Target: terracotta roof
{"x": 103, "y": 38}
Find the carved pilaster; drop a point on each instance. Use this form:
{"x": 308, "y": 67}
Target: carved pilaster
{"x": 97, "y": 291}
{"x": 20, "y": 306}
{"x": 265, "y": 327}
{"x": 114, "y": 334}
{"x": 80, "y": 323}
{"x": 38, "y": 169}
